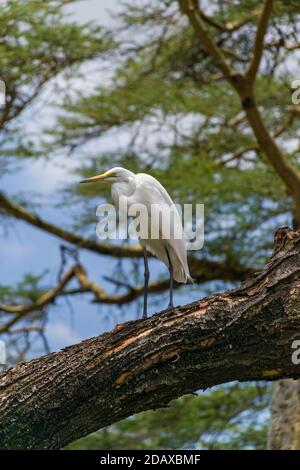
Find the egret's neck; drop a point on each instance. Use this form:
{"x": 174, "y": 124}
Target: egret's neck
{"x": 123, "y": 189}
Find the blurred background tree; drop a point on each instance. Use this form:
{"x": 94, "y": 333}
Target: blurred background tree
{"x": 145, "y": 93}
{"x": 193, "y": 422}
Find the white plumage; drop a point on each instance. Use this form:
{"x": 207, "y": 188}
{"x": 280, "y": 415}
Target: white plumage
{"x": 170, "y": 246}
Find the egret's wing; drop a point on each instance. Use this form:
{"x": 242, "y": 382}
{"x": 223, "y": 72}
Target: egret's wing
{"x": 151, "y": 193}
{"x": 153, "y": 187}
{"x": 155, "y": 198}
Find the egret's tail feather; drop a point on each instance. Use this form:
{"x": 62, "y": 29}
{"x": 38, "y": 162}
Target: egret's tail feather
{"x": 182, "y": 274}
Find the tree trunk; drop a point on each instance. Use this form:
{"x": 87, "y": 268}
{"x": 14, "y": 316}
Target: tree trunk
{"x": 243, "y": 334}
{"x": 284, "y": 430}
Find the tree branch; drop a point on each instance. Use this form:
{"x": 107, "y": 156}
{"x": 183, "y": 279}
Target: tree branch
{"x": 285, "y": 170}
{"x": 243, "y": 334}
{"x": 239, "y": 153}
{"x": 259, "y": 42}
{"x": 101, "y": 296}
{"x": 229, "y": 26}
{"x": 191, "y": 9}
{"x": 243, "y": 85}
{"x": 21, "y": 213}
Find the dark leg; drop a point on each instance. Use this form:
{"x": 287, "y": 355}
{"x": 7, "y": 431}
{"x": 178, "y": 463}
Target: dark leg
{"x": 171, "y": 305}
{"x": 146, "y": 275}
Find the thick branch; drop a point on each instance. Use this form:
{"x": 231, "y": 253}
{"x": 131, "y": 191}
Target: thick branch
{"x": 244, "y": 334}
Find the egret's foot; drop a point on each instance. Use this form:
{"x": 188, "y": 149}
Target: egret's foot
{"x": 170, "y": 307}
{"x": 144, "y": 315}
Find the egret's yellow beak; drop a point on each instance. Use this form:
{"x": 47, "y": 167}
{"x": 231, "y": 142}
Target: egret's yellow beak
{"x": 96, "y": 178}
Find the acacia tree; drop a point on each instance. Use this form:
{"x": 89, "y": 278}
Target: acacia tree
{"x": 205, "y": 99}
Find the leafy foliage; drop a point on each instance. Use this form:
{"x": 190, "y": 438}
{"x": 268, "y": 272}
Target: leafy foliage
{"x": 37, "y": 45}
{"x": 192, "y": 422}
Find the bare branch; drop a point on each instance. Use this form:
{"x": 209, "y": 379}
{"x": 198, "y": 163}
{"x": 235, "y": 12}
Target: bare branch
{"x": 191, "y": 9}
{"x": 230, "y": 26}
{"x": 21, "y": 213}
{"x": 259, "y": 42}
{"x": 45, "y": 299}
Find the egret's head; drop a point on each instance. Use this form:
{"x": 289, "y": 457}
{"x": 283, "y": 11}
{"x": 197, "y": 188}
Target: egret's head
{"x": 115, "y": 175}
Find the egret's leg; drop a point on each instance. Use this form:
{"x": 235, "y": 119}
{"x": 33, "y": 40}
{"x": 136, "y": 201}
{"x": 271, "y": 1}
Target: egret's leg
{"x": 171, "y": 305}
{"x": 146, "y": 276}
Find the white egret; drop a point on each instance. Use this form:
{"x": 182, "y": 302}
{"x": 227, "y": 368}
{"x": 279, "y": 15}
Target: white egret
{"x": 170, "y": 245}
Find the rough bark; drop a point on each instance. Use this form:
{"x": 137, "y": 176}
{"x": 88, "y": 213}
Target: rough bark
{"x": 284, "y": 431}
{"x": 243, "y": 334}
